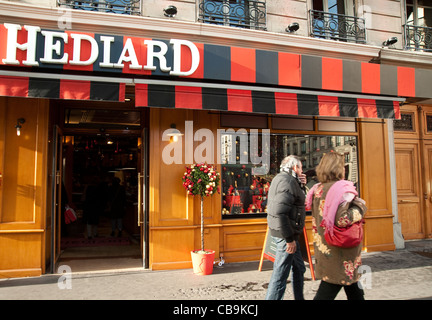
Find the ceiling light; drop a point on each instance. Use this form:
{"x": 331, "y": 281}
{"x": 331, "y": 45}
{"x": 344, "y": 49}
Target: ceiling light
{"x": 18, "y": 126}
{"x": 173, "y": 133}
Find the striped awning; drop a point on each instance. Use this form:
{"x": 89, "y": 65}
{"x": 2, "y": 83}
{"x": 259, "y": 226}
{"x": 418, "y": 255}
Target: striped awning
{"x": 56, "y": 87}
{"x": 200, "y": 95}
{"x": 265, "y": 100}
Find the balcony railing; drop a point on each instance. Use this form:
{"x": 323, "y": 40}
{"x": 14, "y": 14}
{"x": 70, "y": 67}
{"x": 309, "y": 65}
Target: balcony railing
{"x": 249, "y": 14}
{"x": 130, "y": 7}
{"x": 418, "y": 38}
{"x": 337, "y": 27}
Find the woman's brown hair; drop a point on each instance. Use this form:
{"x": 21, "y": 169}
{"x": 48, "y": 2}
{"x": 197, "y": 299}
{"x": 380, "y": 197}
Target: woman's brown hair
{"x": 331, "y": 167}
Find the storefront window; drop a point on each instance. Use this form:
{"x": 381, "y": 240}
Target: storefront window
{"x": 244, "y": 192}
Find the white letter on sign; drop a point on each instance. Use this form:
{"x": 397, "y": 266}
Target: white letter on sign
{"x": 177, "y": 57}
{"x": 51, "y": 45}
{"x": 106, "y": 63}
{"x": 160, "y": 55}
{"x": 13, "y": 45}
{"x": 131, "y": 57}
{"x": 77, "y": 50}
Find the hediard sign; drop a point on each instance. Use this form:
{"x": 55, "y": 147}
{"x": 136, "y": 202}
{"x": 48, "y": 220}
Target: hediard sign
{"x": 33, "y": 47}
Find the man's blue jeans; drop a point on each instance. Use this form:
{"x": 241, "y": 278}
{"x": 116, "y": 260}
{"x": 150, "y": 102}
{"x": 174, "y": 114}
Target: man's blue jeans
{"x": 281, "y": 270}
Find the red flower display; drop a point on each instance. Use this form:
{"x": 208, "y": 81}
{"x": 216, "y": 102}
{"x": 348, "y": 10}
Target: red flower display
{"x": 201, "y": 179}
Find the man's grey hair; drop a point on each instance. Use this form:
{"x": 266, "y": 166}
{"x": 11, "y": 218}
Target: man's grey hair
{"x": 289, "y": 162}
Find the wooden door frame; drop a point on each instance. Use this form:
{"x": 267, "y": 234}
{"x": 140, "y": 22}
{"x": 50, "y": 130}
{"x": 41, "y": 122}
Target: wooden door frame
{"x": 426, "y": 169}
{"x": 56, "y": 181}
{"x": 423, "y": 139}
{"x": 417, "y": 196}
{"x": 427, "y": 187}
{"x": 143, "y": 199}
{"x": 142, "y": 132}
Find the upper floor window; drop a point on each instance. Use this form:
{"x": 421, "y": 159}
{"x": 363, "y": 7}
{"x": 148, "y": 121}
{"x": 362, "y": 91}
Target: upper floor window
{"x": 418, "y": 28}
{"x": 336, "y": 20}
{"x": 249, "y": 14}
{"x": 131, "y": 7}
{"x": 419, "y": 13}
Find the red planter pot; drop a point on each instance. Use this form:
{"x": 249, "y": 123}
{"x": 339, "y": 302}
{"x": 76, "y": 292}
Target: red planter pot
{"x": 203, "y": 262}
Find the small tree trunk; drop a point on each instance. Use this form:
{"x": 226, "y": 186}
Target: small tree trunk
{"x": 202, "y": 223}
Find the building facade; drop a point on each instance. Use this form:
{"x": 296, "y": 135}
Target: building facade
{"x": 90, "y": 89}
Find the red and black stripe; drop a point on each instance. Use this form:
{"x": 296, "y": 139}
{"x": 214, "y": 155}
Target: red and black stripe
{"x": 282, "y": 103}
{"x": 32, "y": 87}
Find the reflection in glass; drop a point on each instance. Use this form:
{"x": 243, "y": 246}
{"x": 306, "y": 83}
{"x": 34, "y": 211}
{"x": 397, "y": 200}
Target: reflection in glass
{"x": 244, "y": 194}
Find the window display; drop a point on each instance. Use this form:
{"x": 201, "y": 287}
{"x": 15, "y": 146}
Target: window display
{"x": 244, "y": 193}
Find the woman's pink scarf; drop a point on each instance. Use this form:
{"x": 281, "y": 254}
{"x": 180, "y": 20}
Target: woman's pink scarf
{"x": 340, "y": 192}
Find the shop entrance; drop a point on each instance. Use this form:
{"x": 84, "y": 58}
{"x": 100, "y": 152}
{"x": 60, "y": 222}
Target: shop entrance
{"x": 102, "y": 169}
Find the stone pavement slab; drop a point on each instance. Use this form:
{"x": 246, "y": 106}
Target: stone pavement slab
{"x": 391, "y": 275}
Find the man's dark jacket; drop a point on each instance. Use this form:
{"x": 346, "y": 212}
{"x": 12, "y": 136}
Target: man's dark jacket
{"x": 286, "y": 207}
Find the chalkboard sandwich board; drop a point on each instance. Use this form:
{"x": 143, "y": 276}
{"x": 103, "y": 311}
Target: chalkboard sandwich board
{"x": 269, "y": 250}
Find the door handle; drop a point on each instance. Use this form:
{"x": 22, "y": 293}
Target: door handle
{"x": 407, "y": 201}
{"x": 139, "y": 199}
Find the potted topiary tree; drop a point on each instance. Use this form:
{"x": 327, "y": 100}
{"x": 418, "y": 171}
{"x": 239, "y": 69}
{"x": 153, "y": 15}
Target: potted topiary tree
{"x": 201, "y": 180}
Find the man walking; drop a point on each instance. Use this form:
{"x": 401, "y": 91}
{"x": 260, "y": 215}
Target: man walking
{"x": 286, "y": 217}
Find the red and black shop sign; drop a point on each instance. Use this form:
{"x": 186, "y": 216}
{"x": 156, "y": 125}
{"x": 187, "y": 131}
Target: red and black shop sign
{"x": 342, "y": 88}
{"x": 32, "y": 47}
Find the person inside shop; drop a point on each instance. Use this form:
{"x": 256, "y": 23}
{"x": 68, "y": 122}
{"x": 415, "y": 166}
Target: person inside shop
{"x": 64, "y": 202}
{"x": 311, "y": 179}
{"x": 94, "y": 204}
{"x": 335, "y": 203}
{"x": 117, "y": 206}
{"x": 286, "y": 218}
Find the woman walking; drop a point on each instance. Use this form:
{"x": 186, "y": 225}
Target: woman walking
{"x": 335, "y": 203}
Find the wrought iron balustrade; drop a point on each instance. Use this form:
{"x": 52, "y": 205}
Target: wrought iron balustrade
{"x": 337, "y": 27}
{"x": 418, "y": 38}
{"x": 131, "y": 7}
{"x": 249, "y": 14}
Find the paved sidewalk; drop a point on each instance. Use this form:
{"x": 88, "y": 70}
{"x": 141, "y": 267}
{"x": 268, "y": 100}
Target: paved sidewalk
{"x": 395, "y": 275}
